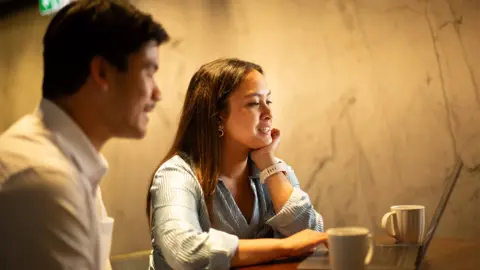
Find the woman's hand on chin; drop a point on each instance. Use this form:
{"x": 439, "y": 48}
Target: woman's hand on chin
{"x": 265, "y": 157}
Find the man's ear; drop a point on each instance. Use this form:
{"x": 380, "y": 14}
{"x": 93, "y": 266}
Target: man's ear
{"x": 98, "y": 71}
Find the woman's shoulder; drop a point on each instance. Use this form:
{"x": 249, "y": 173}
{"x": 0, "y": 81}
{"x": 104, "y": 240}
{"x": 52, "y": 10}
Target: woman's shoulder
{"x": 178, "y": 173}
{"x": 176, "y": 162}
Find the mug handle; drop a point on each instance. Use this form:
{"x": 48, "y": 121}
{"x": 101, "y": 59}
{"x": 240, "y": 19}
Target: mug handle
{"x": 369, "y": 256}
{"x": 385, "y": 219}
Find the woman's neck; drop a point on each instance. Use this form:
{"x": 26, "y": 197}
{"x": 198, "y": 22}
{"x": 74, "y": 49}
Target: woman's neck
{"x": 234, "y": 160}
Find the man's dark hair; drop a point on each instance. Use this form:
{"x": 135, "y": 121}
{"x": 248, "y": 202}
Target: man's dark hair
{"x": 113, "y": 29}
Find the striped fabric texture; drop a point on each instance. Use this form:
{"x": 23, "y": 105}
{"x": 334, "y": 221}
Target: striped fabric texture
{"x": 182, "y": 235}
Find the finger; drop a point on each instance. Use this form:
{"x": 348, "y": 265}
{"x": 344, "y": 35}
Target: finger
{"x": 275, "y": 133}
{"x": 321, "y": 235}
{"x": 309, "y": 249}
{"x": 275, "y": 139}
{"x": 315, "y": 243}
{"x": 320, "y": 240}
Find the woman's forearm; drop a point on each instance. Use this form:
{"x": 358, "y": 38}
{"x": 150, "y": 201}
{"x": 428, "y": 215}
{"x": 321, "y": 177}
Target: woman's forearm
{"x": 255, "y": 251}
{"x": 279, "y": 189}
{"x": 278, "y": 185}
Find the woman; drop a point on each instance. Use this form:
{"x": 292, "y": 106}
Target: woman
{"x": 220, "y": 181}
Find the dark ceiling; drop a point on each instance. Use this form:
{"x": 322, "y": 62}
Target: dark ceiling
{"x": 8, "y": 7}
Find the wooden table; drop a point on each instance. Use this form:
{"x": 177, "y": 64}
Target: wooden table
{"x": 443, "y": 254}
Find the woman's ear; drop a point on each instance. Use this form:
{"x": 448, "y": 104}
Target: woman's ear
{"x": 220, "y": 121}
{"x": 221, "y": 118}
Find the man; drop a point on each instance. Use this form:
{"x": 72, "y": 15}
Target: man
{"x": 99, "y": 60}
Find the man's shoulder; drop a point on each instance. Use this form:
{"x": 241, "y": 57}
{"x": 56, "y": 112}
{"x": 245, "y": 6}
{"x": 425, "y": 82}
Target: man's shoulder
{"x": 49, "y": 179}
{"x": 27, "y": 145}
{"x": 28, "y": 131}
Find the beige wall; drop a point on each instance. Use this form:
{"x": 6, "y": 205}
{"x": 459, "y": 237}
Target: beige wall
{"x": 373, "y": 98}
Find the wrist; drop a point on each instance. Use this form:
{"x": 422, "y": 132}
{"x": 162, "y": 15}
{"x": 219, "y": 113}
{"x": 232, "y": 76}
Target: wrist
{"x": 265, "y": 163}
{"x": 272, "y": 170}
{"x": 283, "y": 248}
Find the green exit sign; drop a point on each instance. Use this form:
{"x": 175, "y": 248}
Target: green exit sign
{"x": 51, "y": 6}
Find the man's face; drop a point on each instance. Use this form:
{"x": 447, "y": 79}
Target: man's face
{"x": 134, "y": 93}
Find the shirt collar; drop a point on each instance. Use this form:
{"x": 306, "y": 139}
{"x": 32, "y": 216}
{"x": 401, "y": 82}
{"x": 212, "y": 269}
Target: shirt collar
{"x": 254, "y": 171}
{"x": 73, "y": 141}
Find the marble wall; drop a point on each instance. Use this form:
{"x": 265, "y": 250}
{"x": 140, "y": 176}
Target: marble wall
{"x": 374, "y": 98}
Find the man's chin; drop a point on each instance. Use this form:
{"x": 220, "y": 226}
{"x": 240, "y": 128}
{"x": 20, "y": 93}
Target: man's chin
{"x": 140, "y": 134}
{"x": 135, "y": 134}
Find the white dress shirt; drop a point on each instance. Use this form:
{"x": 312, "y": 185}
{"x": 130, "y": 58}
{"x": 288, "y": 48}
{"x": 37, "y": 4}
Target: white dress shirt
{"x": 51, "y": 211}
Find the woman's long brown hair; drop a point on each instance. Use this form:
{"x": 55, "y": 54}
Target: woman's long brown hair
{"x": 198, "y": 136}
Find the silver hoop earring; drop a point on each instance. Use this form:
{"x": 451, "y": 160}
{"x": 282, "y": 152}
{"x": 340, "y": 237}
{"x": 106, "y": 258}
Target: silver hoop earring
{"x": 220, "y": 131}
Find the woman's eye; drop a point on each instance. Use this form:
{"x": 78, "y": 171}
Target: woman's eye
{"x": 253, "y": 104}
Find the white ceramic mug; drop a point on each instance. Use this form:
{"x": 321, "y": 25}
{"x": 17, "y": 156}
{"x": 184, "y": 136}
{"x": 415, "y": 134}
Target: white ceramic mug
{"x": 407, "y": 223}
{"x": 350, "y": 248}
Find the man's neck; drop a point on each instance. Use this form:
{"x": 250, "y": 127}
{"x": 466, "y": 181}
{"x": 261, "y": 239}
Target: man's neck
{"x": 86, "y": 120}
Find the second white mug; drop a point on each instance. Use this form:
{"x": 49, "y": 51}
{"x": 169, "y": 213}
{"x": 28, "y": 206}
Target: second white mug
{"x": 407, "y": 223}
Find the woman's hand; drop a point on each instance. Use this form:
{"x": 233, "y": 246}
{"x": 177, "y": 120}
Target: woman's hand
{"x": 254, "y": 251}
{"x": 265, "y": 157}
{"x": 303, "y": 242}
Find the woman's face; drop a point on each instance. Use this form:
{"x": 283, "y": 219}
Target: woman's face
{"x": 249, "y": 119}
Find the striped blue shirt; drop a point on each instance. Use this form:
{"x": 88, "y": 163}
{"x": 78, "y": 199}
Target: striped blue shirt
{"x": 182, "y": 236}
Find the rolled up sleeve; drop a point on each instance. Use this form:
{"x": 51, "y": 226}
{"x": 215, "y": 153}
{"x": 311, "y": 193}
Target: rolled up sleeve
{"x": 298, "y": 213}
{"x": 176, "y": 203}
